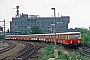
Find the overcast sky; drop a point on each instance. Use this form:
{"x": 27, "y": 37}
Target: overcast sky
{"x": 78, "y": 10}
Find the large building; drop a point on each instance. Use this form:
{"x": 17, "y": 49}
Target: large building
{"x": 26, "y": 22}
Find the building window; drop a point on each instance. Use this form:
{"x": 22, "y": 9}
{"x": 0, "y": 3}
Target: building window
{"x": 15, "y": 23}
{"x": 18, "y": 22}
{"x": 42, "y": 26}
{"x": 42, "y": 22}
{"x": 61, "y": 27}
{"x": 45, "y": 22}
{"x": 37, "y": 22}
{"x": 52, "y": 23}
{"x": 18, "y": 26}
{"x": 22, "y": 23}
{"x": 22, "y": 27}
{"x": 48, "y": 22}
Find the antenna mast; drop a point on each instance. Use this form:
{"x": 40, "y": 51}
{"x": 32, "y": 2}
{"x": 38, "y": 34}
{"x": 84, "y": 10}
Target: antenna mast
{"x": 17, "y": 7}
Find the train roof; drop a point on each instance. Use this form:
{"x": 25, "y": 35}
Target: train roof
{"x": 65, "y": 33}
{"x": 70, "y": 33}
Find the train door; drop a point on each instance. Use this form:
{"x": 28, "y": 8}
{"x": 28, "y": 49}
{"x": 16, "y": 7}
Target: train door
{"x": 60, "y": 38}
{"x": 52, "y": 38}
{"x": 46, "y": 38}
{"x": 65, "y": 38}
{"x": 57, "y": 38}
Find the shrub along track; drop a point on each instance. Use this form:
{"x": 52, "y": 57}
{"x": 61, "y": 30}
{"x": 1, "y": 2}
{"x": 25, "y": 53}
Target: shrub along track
{"x": 9, "y": 54}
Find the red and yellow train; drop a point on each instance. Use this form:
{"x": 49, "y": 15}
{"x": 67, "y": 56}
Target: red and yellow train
{"x": 68, "y": 38}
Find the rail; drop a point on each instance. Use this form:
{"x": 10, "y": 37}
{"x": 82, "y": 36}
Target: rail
{"x": 26, "y": 53}
{"x": 85, "y": 50}
{"x": 11, "y": 45}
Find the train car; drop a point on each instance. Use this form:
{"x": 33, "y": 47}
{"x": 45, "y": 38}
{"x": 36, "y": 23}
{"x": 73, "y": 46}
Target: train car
{"x": 72, "y": 39}
{"x": 67, "y": 38}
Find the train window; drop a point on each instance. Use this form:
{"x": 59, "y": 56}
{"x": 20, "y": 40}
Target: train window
{"x": 72, "y": 37}
{"x": 63, "y": 36}
{"x": 57, "y": 36}
{"x": 66, "y": 37}
{"x": 60, "y": 36}
{"x": 46, "y": 36}
{"x": 37, "y": 36}
{"x": 28, "y": 36}
{"x": 49, "y": 36}
{"x": 42, "y": 36}
{"x": 52, "y": 36}
{"x": 23, "y": 36}
{"x": 77, "y": 36}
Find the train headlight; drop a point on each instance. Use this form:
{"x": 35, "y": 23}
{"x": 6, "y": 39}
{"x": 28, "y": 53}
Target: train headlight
{"x": 71, "y": 42}
{"x": 67, "y": 43}
{"x": 78, "y": 41}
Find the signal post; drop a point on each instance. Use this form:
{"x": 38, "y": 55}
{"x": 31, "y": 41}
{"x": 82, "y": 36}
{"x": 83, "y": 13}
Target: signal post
{"x": 55, "y": 50}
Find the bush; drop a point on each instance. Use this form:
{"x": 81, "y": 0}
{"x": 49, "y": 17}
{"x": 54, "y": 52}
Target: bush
{"x": 48, "y": 52}
{"x": 1, "y": 37}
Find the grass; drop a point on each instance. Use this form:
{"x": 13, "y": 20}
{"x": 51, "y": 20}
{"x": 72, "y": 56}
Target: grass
{"x": 3, "y": 46}
{"x": 48, "y": 52}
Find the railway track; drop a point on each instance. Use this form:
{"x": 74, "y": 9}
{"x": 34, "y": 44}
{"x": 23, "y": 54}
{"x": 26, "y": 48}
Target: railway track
{"x": 86, "y": 51}
{"x": 71, "y": 49}
{"x": 26, "y": 53}
{"x": 36, "y": 54}
{"x": 30, "y": 50}
{"x": 10, "y": 53}
{"x": 11, "y": 45}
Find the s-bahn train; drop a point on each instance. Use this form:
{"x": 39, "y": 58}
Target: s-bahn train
{"x": 67, "y": 38}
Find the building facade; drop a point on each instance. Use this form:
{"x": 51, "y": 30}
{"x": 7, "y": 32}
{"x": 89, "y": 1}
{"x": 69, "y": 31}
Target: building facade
{"x": 26, "y": 22}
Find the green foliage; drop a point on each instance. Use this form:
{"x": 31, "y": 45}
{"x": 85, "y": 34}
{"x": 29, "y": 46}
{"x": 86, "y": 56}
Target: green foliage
{"x": 36, "y": 30}
{"x": 24, "y": 32}
{"x": 85, "y": 37}
{"x": 1, "y": 37}
{"x": 3, "y": 46}
{"x": 48, "y": 52}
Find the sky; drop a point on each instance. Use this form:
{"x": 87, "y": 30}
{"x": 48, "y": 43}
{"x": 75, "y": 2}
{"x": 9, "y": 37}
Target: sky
{"x": 78, "y": 10}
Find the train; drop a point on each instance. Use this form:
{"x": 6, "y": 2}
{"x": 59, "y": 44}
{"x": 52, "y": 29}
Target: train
{"x": 71, "y": 39}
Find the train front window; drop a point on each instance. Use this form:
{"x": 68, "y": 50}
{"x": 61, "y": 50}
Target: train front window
{"x": 75, "y": 36}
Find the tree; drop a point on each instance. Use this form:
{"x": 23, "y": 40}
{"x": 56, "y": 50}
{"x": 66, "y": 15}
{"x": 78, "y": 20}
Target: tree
{"x": 36, "y": 30}
{"x": 24, "y": 32}
{"x": 85, "y": 36}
